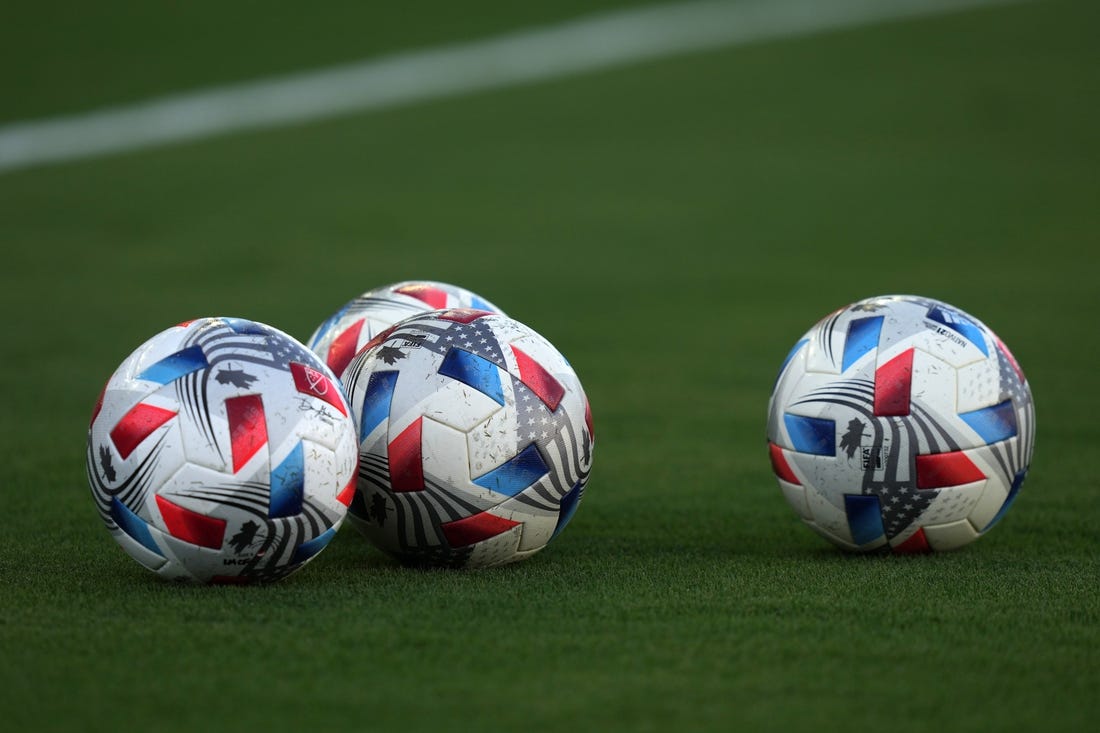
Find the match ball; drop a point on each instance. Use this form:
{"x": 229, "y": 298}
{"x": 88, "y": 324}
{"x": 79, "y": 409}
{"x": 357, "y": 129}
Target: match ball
{"x": 346, "y": 331}
{"x": 900, "y": 422}
{"x": 222, "y": 451}
{"x": 475, "y": 440}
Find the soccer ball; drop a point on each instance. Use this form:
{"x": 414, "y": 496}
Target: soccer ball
{"x": 475, "y": 439}
{"x": 222, "y": 450}
{"x": 346, "y": 331}
{"x": 900, "y": 422}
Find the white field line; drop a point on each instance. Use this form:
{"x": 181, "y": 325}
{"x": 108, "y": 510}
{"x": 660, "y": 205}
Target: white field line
{"x": 522, "y": 57}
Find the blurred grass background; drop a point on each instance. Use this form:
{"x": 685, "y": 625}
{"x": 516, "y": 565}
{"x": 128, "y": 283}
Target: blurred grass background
{"x": 672, "y": 227}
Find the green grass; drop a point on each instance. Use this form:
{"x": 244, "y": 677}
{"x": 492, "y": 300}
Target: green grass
{"x": 58, "y": 56}
{"x": 672, "y": 228}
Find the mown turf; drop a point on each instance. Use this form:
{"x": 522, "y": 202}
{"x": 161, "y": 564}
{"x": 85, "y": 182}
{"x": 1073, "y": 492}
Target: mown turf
{"x": 57, "y": 56}
{"x": 673, "y": 228}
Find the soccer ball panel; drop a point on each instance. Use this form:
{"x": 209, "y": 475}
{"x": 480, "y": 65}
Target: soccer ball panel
{"x": 796, "y": 497}
{"x": 498, "y": 550}
{"x": 934, "y": 385}
{"x": 979, "y": 386}
{"x": 954, "y": 503}
{"x": 988, "y": 504}
{"x": 951, "y": 536}
{"x": 444, "y": 457}
{"x": 828, "y": 518}
{"x": 139, "y": 551}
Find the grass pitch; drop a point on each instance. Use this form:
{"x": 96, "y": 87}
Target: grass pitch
{"x": 672, "y": 228}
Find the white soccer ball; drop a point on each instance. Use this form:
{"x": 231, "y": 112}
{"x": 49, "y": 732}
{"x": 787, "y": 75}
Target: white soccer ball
{"x": 222, "y": 450}
{"x": 361, "y": 319}
{"x": 900, "y": 422}
{"x": 475, "y": 439}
